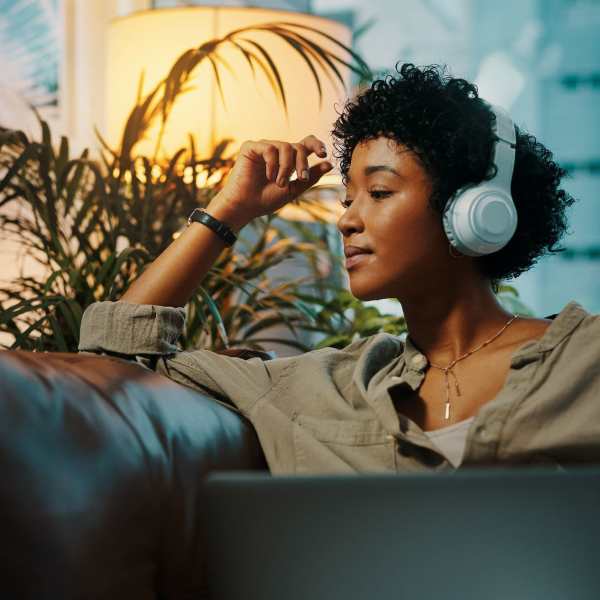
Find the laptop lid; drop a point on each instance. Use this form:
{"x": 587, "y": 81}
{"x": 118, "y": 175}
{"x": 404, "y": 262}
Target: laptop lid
{"x": 462, "y": 535}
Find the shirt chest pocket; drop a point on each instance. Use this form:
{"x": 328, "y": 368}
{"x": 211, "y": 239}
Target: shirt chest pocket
{"x": 337, "y": 446}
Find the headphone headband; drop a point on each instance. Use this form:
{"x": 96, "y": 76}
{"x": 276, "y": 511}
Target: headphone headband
{"x": 503, "y": 155}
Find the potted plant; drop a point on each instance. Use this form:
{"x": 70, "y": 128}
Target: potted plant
{"x": 94, "y": 225}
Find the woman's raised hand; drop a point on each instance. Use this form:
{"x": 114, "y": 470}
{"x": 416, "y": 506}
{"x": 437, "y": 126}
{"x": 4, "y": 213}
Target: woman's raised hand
{"x": 259, "y": 182}
{"x": 249, "y": 191}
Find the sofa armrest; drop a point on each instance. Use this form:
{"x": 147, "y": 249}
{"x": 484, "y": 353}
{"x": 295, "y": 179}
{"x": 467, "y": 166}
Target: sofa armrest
{"x": 102, "y": 464}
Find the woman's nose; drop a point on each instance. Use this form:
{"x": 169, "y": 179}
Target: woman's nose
{"x": 350, "y": 222}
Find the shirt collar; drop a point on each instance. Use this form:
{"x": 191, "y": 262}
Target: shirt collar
{"x": 414, "y": 363}
{"x": 562, "y": 325}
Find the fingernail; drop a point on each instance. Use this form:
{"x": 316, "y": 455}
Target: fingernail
{"x": 304, "y": 174}
{"x": 281, "y": 182}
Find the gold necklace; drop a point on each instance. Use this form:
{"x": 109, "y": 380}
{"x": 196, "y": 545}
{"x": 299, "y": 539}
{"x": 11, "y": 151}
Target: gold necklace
{"x": 451, "y": 365}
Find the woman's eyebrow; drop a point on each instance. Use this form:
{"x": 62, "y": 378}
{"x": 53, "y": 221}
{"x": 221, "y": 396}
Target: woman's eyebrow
{"x": 374, "y": 169}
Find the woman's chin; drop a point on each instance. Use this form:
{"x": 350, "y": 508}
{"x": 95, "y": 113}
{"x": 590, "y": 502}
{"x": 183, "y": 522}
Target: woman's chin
{"x": 369, "y": 284}
{"x": 364, "y": 292}
{"x": 362, "y": 274}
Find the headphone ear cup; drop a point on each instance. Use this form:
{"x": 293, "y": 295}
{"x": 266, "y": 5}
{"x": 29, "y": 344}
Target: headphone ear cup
{"x": 480, "y": 220}
{"x": 447, "y": 220}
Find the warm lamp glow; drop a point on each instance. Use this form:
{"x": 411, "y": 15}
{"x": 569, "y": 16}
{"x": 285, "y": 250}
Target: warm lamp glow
{"x": 150, "y": 42}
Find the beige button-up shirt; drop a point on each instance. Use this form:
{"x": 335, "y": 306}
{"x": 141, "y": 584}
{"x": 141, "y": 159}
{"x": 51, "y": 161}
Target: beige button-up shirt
{"x": 330, "y": 410}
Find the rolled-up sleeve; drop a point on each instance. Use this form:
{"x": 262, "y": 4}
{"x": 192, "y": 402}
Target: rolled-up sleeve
{"x": 131, "y": 329}
{"x": 149, "y": 333}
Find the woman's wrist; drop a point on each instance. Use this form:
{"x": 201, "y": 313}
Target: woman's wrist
{"x": 222, "y": 210}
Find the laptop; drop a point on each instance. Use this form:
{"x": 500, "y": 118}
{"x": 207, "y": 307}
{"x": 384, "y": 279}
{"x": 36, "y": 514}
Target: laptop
{"x": 464, "y": 535}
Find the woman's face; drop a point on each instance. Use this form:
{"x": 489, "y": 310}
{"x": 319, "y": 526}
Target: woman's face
{"x": 388, "y": 215}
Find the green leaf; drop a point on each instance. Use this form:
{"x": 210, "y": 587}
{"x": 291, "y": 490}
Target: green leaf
{"x": 66, "y": 308}
{"x": 218, "y": 79}
{"x": 274, "y": 70}
{"x": 363, "y": 68}
{"x": 214, "y": 311}
{"x": 59, "y": 338}
{"x": 334, "y": 341}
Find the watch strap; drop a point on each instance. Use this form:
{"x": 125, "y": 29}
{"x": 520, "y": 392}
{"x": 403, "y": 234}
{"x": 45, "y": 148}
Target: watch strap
{"x": 201, "y": 216}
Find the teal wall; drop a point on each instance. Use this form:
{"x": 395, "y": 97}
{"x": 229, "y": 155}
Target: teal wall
{"x": 560, "y": 104}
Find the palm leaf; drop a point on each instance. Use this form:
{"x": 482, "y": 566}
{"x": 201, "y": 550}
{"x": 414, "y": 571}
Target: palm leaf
{"x": 274, "y": 70}
{"x": 161, "y": 99}
{"x": 214, "y": 311}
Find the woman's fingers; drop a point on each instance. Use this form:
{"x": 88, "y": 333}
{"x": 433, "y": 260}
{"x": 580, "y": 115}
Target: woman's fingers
{"x": 301, "y": 161}
{"x": 261, "y": 163}
{"x": 307, "y": 146}
{"x": 282, "y": 158}
{"x": 299, "y": 186}
{"x": 270, "y": 155}
{"x": 287, "y": 160}
{"x": 313, "y": 144}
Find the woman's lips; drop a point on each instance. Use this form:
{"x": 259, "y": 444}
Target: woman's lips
{"x": 357, "y": 259}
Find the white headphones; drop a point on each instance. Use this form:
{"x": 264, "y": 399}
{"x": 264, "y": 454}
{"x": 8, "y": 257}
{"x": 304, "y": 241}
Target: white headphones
{"x": 481, "y": 219}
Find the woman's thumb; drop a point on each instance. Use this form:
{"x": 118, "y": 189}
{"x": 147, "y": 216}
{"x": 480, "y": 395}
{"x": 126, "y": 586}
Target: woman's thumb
{"x": 315, "y": 173}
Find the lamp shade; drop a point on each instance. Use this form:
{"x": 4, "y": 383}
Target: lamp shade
{"x": 150, "y": 42}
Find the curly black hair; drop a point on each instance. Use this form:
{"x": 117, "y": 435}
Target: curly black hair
{"x": 449, "y": 128}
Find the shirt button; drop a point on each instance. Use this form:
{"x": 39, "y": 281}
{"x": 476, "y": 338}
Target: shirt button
{"x": 418, "y": 361}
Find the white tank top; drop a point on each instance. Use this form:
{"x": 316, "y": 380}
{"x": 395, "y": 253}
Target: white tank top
{"x": 451, "y": 440}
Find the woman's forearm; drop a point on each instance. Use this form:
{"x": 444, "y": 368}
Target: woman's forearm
{"x": 174, "y": 275}
{"x": 258, "y": 184}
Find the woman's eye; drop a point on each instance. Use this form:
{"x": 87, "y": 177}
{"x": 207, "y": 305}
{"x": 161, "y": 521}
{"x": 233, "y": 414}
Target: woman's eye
{"x": 378, "y": 194}
{"x": 375, "y": 194}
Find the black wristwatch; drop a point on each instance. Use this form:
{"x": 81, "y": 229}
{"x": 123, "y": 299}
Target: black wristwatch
{"x": 201, "y": 216}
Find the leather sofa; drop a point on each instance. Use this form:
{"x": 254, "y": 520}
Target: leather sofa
{"x": 102, "y": 462}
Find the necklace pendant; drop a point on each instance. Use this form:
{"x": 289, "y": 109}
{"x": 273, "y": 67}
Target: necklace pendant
{"x": 447, "y": 411}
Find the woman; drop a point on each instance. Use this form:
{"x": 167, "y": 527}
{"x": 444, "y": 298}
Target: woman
{"x": 472, "y": 384}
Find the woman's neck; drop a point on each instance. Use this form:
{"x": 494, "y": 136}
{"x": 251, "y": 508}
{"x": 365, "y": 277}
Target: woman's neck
{"x": 444, "y": 327}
